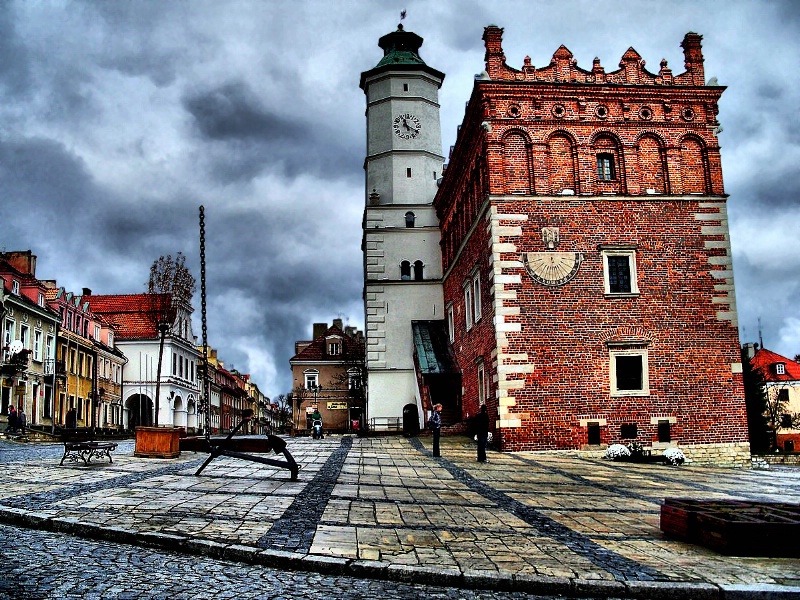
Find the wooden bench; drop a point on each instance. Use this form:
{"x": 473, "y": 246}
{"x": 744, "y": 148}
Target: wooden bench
{"x": 79, "y": 445}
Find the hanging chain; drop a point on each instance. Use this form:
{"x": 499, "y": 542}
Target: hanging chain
{"x": 206, "y": 386}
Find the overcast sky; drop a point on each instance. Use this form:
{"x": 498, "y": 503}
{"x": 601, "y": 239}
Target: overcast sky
{"x": 118, "y": 119}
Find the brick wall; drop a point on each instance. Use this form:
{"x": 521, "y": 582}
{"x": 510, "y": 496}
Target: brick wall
{"x": 528, "y": 159}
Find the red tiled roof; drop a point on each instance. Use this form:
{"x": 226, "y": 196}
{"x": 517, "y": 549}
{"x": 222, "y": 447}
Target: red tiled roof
{"x": 763, "y": 361}
{"x": 131, "y": 313}
{"x": 315, "y": 351}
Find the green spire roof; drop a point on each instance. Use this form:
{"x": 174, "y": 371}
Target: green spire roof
{"x": 400, "y": 47}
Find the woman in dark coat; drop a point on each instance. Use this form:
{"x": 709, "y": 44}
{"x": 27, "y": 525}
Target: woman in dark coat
{"x": 482, "y": 432}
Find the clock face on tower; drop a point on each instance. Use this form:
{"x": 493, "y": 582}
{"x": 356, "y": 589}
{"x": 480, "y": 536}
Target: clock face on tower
{"x": 406, "y": 126}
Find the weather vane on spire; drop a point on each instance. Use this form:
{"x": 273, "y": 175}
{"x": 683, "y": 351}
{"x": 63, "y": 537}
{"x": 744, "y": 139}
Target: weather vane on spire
{"x": 402, "y": 14}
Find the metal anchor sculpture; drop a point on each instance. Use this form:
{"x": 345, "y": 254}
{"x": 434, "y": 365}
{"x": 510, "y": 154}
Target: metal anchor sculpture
{"x": 231, "y": 447}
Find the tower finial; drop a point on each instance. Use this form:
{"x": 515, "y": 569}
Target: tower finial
{"x": 402, "y": 14}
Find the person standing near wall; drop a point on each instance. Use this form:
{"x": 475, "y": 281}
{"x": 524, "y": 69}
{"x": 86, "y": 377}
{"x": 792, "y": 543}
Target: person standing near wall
{"x": 435, "y": 423}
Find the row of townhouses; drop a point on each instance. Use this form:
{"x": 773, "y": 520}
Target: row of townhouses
{"x": 86, "y": 360}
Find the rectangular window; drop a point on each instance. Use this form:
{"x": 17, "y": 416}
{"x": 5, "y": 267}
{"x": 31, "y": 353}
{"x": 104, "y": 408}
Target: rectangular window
{"x": 780, "y": 369}
{"x": 79, "y": 414}
{"x": 481, "y": 384}
{"x": 476, "y": 295}
{"x": 41, "y": 299}
{"x": 664, "y": 435}
{"x": 629, "y": 375}
{"x": 15, "y": 287}
{"x": 9, "y": 333}
{"x": 619, "y": 271}
{"x": 605, "y": 167}
{"x": 311, "y": 380}
{"x": 49, "y": 347}
{"x": 111, "y": 339}
{"x": 451, "y": 329}
{"x": 25, "y": 336}
{"x": 333, "y": 348}
{"x": 408, "y": 172}
{"x": 468, "y": 304}
{"x": 628, "y": 431}
{"x": 405, "y": 87}
{"x": 619, "y": 275}
{"x": 97, "y": 332}
{"x": 37, "y": 345}
{"x": 174, "y": 364}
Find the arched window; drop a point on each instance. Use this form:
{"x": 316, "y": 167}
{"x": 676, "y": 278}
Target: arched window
{"x": 418, "y": 270}
{"x": 607, "y": 155}
{"x": 410, "y": 218}
{"x": 405, "y": 270}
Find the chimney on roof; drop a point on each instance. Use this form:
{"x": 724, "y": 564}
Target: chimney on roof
{"x": 319, "y": 329}
{"x": 87, "y": 291}
{"x": 337, "y": 323}
{"x": 749, "y": 350}
{"x": 23, "y": 261}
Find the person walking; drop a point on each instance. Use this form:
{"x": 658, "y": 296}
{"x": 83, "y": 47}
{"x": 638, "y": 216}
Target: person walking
{"x": 435, "y": 423}
{"x": 482, "y": 432}
{"x": 22, "y": 420}
{"x": 12, "y": 419}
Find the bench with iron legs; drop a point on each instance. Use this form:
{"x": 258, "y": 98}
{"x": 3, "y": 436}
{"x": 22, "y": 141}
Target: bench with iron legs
{"x": 79, "y": 446}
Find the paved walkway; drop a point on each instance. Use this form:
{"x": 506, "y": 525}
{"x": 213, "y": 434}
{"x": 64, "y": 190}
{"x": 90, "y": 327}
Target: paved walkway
{"x": 385, "y": 508}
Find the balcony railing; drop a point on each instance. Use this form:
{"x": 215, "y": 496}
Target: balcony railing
{"x": 60, "y": 367}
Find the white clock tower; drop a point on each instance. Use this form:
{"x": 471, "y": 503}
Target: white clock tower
{"x": 402, "y": 258}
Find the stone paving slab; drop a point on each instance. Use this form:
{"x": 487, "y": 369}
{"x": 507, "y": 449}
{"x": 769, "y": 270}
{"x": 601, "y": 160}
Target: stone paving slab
{"x": 385, "y": 508}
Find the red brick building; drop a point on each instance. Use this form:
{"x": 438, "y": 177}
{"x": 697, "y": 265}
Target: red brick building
{"x": 588, "y": 284}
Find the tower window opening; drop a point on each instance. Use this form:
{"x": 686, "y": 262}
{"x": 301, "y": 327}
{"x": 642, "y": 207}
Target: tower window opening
{"x": 405, "y": 87}
{"x": 408, "y": 172}
{"x": 418, "y": 267}
{"x": 405, "y": 271}
{"x": 410, "y": 219}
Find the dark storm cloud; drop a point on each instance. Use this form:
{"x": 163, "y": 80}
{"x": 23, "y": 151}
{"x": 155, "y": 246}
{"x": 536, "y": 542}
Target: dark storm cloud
{"x": 40, "y": 178}
{"x": 253, "y": 138}
{"x": 232, "y": 111}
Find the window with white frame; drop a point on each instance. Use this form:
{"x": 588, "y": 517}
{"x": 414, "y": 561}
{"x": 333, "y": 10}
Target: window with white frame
{"x": 41, "y": 299}
{"x": 37, "y": 345}
{"x": 97, "y": 332}
{"x": 111, "y": 339}
{"x": 619, "y": 271}
{"x": 629, "y": 371}
{"x": 50, "y": 347}
{"x": 25, "y": 336}
{"x": 476, "y": 295}
{"x": 334, "y": 348}
{"x": 451, "y": 326}
{"x": 312, "y": 379}
{"x": 468, "y": 304}
{"x": 481, "y": 384}
{"x": 9, "y": 333}
{"x": 14, "y": 286}
{"x": 780, "y": 369}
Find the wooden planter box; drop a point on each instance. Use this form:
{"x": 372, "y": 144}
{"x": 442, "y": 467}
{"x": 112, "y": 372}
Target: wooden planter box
{"x": 158, "y": 442}
{"x": 734, "y": 527}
